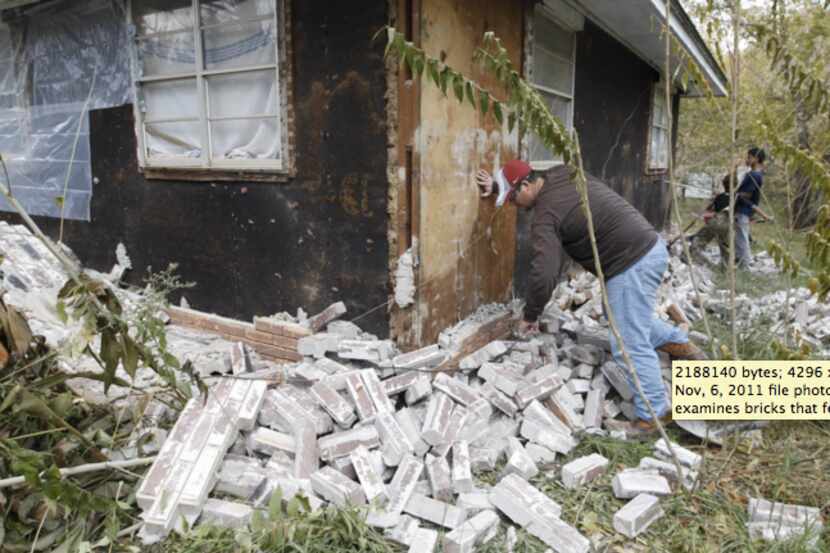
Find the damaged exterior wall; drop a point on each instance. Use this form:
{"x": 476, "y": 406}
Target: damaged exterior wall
{"x": 258, "y": 248}
{"x": 466, "y": 249}
{"x": 612, "y": 107}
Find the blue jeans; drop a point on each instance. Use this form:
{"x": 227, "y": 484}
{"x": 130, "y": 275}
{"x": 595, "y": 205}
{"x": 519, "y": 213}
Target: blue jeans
{"x": 743, "y": 253}
{"x": 632, "y": 295}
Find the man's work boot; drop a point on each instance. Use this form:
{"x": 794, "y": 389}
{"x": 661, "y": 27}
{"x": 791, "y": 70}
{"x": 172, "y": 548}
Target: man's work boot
{"x": 641, "y": 429}
{"x": 687, "y": 351}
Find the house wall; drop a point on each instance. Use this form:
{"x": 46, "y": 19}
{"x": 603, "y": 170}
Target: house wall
{"x": 612, "y": 105}
{"x": 466, "y": 248}
{"x": 259, "y": 248}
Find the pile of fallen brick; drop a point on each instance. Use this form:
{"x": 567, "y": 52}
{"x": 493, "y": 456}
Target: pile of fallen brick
{"x": 357, "y": 422}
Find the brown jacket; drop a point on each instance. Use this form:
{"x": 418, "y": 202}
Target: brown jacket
{"x": 559, "y": 225}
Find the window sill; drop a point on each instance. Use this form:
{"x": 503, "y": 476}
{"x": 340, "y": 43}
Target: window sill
{"x": 199, "y": 174}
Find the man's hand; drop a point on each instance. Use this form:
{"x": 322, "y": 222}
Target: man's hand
{"x": 707, "y": 216}
{"x": 527, "y": 329}
{"x": 484, "y": 180}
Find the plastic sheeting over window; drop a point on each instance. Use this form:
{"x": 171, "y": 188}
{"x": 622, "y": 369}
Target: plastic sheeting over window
{"x": 46, "y": 91}
{"x": 208, "y": 83}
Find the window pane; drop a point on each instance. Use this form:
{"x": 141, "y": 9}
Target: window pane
{"x": 552, "y": 36}
{"x": 245, "y": 139}
{"x": 552, "y": 72}
{"x": 167, "y": 54}
{"x": 241, "y": 94}
{"x": 157, "y": 16}
{"x": 660, "y": 115}
{"x": 240, "y": 45}
{"x": 174, "y": 139}
{"x": 229, "y": 11}
{"x": 559, "y": 107}
{"x": 171, "y": 99}
{"x": 658, "y": 150}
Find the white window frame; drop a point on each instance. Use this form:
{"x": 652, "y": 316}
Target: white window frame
{"x": 653, "y": 163}
{"x": 542, "y": 11}
{"x": 205, "y": 161}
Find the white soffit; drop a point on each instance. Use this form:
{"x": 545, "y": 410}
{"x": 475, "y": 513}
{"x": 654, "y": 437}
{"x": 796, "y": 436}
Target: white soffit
{"x": 637, "y": 24}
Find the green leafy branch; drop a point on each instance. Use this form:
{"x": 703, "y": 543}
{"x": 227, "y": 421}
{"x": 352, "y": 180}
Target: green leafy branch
{"x": 523, "y": 106}
{"x": 798, "y": 78}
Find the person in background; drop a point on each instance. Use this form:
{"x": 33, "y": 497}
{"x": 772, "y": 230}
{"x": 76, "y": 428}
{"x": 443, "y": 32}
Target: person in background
{"x": 747, "y": 199}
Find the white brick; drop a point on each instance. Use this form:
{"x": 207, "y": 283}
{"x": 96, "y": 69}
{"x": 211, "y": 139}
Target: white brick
{"x": 360, "y": 395}
{"x": 424, "y": 358}
{"x": 616, "y": 376}
{"x": 464, "y": 538}
{"x": 338, "y": 408}
{"x": 542, "y": 456}
{"x": 566, "y": 413}
{"x": 483, "y": 355}
{"x": 420, "y": 389}
{"x": 537, "y": 412}
{"x": 637, "y": 515}
{"x": 632, "y": 482}
{"x": 499, "y": 400}
{"x": 560, "y": 536}
{"x": 226, "y": 513}
{"x": 462, "y": 476}
{"x": 264, "y": 440}
{"x": 336, "y": 488}
{"x": 409, "y": 425}
{"x": 376, "y": 391}
{"x": 578, "y": 386}
{"x": 457, "y": 390}
{"x": 434, "y": 511}
{"x": 437, "y": 418}
{"x": 574, "y": 401}
{"x": 458, "y": 419}
{"x": 583, "y": 470}
{"x": 400, "y": 489}
{"x": 374, "y": 351}
{"x": 591, "y": 355}
{"x": 522, "y": 503}
{"x": 537, "y": 390}
{"x": 669, "y": 470}
{"x": 343, "y": 443}
{"x": 762, "y": 510}
{"x": 252, "y": 404}
{"x": 395, "y": 444}
{"x": 473, "y": 502}
{"x": 584, "y": 371}
{"x": 425, "y": 541}
{"x": 370, "y": 480}
{"x": 318, "y": 345}
{"x": 306, "y": 459}
{"x": 405, "y": 531}
{"x": 518, "y": 461}
{"x": 686, "y": 457}
{"x": 483, "y": 459}
{"x": 285, "y": 403}
{"x": 438, "y": 471}
{"x": 503, "y": 380}
{"x": 592, "y": 417}
{"x": 400, "y": 383}
{"x": 560, "y": 443}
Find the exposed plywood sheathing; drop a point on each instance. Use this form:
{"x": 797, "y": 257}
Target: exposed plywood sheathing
{"x": 466, "y": 248}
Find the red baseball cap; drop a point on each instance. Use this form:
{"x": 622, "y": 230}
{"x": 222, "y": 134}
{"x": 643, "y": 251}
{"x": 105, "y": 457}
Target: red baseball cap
{"x": 513, "y": 172}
